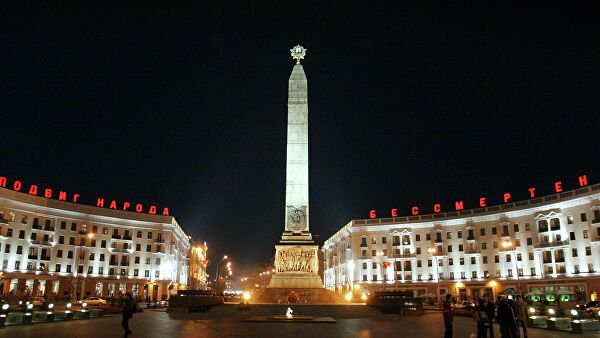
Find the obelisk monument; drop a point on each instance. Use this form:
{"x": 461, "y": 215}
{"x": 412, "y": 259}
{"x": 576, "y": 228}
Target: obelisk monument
{"x": 296, "y": 260}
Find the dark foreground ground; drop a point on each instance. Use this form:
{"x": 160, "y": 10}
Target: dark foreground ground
{"x": 225, "y": 320}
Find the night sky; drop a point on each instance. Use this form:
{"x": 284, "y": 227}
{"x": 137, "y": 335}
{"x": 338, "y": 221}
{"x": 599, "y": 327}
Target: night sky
{"x": 186, "y": 107}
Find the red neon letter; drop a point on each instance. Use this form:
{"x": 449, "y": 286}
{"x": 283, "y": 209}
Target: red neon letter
{"x": 372, "y": 214}
{"x": 75, "y": 198}
{"x": 138, "y": 208}
{"x": 415, "y": 210}
{"x": 3, "y": 182}
{"x": 48, "y": 193}
{"x": 152, "y": 209}
{"x": 126, "y": 205}
{"x": 531, "y": 190}
{"x": 437, "y": 207}
{"x": 166, "y": 212}
{"x": 394, "y": 212}
{"x": 17, "y": 186}
{"x": 33, "y": 190}
{"x": 582, "y": 180}
{"x": 100, "y": 202}
{"x": 557, "y": 186}
{"x": 113, "y": 205}
{"x": 506, "y": 197}
{"x": 482, "y": 202}
{"x": 62, "y": 195}
{"x": 459, "y": 205}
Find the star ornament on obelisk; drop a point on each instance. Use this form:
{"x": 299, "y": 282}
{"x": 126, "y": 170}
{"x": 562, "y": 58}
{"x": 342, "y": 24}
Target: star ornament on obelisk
{"x": 298, "y": 52}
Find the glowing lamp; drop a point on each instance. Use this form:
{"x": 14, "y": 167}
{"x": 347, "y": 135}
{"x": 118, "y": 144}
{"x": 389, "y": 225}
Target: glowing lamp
{"x": 68, "y": 305}
{"x": 551, "y": 311}
{"x": 246, "y": 295}
{"x": 532, "y": 310}
{"x": 30, "y": 306}
{"x": 574, "y": 312}
{"x": 83, "y": 304}
{"x": 364, "y": 297}
{"x": 50, "y": 305}
{"x": 5, "y": 306}
{"x": 349, "y": 296}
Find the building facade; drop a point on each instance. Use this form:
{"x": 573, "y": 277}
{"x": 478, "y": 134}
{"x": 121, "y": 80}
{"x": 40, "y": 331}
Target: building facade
{"x": 198, "y": 280}
{"x": 59, "y": 249}
{"x": 546, "y": 243}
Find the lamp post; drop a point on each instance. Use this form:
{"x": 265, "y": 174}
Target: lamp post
{"x": 217, "y": 274}
{"x": 437, "y": 277}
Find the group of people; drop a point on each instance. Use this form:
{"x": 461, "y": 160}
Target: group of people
{"x": 511, "y": 315}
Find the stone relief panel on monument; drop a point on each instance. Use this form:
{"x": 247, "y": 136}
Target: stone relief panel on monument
{"x": 295, "y": 259}
{"x": 296, "y": 218}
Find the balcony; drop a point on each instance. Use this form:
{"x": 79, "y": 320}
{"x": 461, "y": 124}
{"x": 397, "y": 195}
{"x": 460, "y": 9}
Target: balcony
{"x": 472, "y": 251}
{"x": 127, "y": 238}
{"x": 363, "y": 245}
{"x": 124, "y": 263}
{"x": 112, "y": 263}
{"x": 45, "y": 258}
{"x": 404, "y": 255}
{"x": 116, "y": 236}
{"x": 596, "y": 221}
{"x": 32, "y": 257}
{"x": 439, "y": 240}
{"x": 551, "y": 244}
{"x": 82, "y": 232}
{"x": 470, "y": 238}
{"x": 159, "y": 240}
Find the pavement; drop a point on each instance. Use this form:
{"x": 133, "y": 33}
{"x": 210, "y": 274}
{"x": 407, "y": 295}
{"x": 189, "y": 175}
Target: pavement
{"x": 226, "y": 321}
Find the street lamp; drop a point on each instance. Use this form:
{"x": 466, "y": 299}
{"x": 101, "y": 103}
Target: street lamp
{"x": 432, "y": 251}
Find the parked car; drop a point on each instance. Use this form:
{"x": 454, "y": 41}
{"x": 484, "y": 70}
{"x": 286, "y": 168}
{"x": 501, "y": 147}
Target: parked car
{"x": 37, "y": 301}
{"x": 594, "y": 303}
{"x": 464, "y": 304}
{"x": 93, "y": 301}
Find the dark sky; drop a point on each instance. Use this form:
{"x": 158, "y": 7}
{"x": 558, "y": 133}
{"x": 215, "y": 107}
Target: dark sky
{"x": 185, "y": 107}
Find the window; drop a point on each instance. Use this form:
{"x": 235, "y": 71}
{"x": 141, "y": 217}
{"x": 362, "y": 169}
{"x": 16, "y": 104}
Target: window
{"x": 61, "y": 240}
{"x": 417, "y": 238}
{"x": 530, "y": 256}
{"x": 533, "y": 271}
{"x": 485, "y": 260}
{"x": 459, "y": 234}
{"x": 482, "y": 231}
{"x": 429, "y": 263}
{"x": 494, "y": 231}
{"x": 419, "y": 264}
{"x": 495, "y": 245}
{"x": 138, "y": 247}
{"x": 364, "y": 253}
{"x": 555, "y": 224}
{"x": 69, "y": 268}
{"x": 527, "y": 227}
{"x": 158, "y": 249}
{"x": 419, "y": 250}
{"x": 373, "y": 253}
{"x": 428, "y": 237}
{"x": 22, "y": 234}
{"x": 590, "y": 267}
{"x": 572, "y": 235}
{"x": 576, "y": 268}
{"x": 149, "y": 235}
{"x": 149, "y": 248}
{"x": 59, "y": 254}
{"x": 73, "y": 226}
{"x": 82, "y": 241}
{"x": 496, "y": 259}
{"x": 574, "y": 252}
{"x": 139, "y": 234}
{"x": 70, "y": 254}
{"x": 92, "y": 256}
{"x": 102, "y": 257}
{"x": 80, "y": 269}
{"x": 583, "y": 217}
{"x": 7, "y": 248}
{"x": 519, "y": 257}
{"x": 508, "y": 258}
{"x": 585, "y": 234}
{"x": 516, "y": 227}
{"x": 24, "y": 220}
{"x": 483, "y": 246}
{"x": 135, "y": 272}
{"x": 364, "y": 265}
{"x": 460, "y": 247}
{"x": 57, "y": 268}
{"x": 101, "y": 270}
{"x": 147, "y": 273}
{"x": 448, "y": 235}
{"x": 517, "y": 242}
{"x": 9, "y": 232}
{"x": 374, "y": 278}
{"x": 588, "y": 251}
{"x": 93, "y": 243}
{"x": 71, "y": 240}
{"x": 63, "y": 225}
{"x": 504, "y": 229}
{"x": 147, "y": 260}
{"x": 158, "y": 262}
{"x": 569, "y": 219}
{"x": 383, "y": 240}
{"x": 33, "y": 236}
{"x": 449, "y": 248}
{"x": 462, "y": 261}
{"x": 105, "y": 231}
{"x": 364, "y": 278}
{"x": 450, "y": 261}
{"x": 473, "y": 260}
{"x": 103, "y": 243}
{"x": 529, "y": 240}
{"x": 19, "y": 250}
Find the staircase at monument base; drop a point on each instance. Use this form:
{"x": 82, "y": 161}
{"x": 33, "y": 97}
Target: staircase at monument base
{"x": 334, "y": 311}
{"x": 304, "y": 296}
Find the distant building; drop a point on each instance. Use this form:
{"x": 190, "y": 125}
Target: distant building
{"x": 198, "y": 262}
{"x": 548, "y": 243}
{"x": 66, "y": 250}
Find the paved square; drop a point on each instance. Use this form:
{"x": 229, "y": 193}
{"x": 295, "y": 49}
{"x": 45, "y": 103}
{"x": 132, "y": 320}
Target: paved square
{"x": 227, "y": 321}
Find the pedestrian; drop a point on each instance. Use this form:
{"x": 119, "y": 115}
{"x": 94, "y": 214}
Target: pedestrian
{"x": 481, "y": 318}
{"x": 129, "y": 308}
{"x": 491, "y": 313}
{"x": 506, "y": 317}
{"x": 448, "y": 316}
{"x": 520, "y": 309}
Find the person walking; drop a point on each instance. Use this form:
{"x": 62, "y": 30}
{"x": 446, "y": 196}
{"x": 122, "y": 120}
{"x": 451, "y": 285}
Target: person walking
{"x": 128, "y": 309}
{"x": 481, "y": 318}
{"x": 520, "y": 309}
{"x": 491, "y": 313}
{"x": 506, "y": 317}
{"x": 448, "y": 316}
